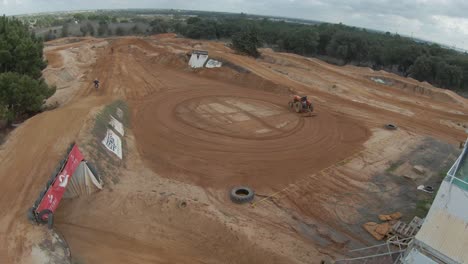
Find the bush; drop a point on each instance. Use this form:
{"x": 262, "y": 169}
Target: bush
{"x": 120, "y": 31}
{"x": 247, "y": 42}
{"x": 20, "y": 51}
{"x": 20, "y": 94}
{"x": 22, "y": 91}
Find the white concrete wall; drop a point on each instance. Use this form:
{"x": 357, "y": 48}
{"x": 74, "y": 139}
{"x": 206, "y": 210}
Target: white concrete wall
{"x": 197, "y": 60}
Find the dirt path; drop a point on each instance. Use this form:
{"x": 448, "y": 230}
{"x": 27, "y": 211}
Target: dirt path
{"x": 27, "y": 159}
{"x": 245, "y": 137}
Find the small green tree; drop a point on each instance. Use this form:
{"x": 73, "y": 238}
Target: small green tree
{"x": 103, "y": 28}
{"x": 193, "y": 20}
{"x": 22, "y": 91}
{"x": 159, "y": 26}
{"x": 201, "y": 30}
{"x": 120, "y": 31}
{"x": 90, "y": 28}
{"x": 348, "y": 46}
{"x": 423, "y": 69}
{"x": 303, "y": 41}
{"x": 50, "y": 36}
{"x": 247, "y": 41}
{"x": 136, "y": 30}
{"x": 20, "y": 94}
{"x": 84, "y": 30}
{"x": 65, "y": 30}
{"x": 79, "y": 17}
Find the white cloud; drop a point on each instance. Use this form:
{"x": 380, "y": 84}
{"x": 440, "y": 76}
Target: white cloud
{"x": 443, "y": 21}
{"x": 451, "y": 24}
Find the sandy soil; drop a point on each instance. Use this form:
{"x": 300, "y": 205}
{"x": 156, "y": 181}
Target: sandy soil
{"x": 195, "y": 134}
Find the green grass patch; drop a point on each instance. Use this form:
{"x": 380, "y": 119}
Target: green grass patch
{"x": 423, "y": 206}
{"x": 394, "y": 166}
{"x": 443, "y": 172}
{"x": 106, "y": 162}
{"x": 102, "y": 119}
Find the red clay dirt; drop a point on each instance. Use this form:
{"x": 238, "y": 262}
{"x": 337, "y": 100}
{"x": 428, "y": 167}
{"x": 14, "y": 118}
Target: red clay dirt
{"x": 220, "y": 135}
{"x": 194, "y": 135}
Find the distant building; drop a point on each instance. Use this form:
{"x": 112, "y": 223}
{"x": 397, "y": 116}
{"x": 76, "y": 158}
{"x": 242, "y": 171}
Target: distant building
{"x": 443, "y": 237}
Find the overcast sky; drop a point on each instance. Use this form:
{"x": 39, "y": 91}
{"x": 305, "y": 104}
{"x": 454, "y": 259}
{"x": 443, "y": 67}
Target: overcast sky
{"x": 443, "y": 21}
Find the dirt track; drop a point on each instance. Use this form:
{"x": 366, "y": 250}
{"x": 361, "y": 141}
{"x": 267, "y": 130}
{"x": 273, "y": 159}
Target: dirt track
{"x": 228, "y": 135}
{"x": 195, "y": 134}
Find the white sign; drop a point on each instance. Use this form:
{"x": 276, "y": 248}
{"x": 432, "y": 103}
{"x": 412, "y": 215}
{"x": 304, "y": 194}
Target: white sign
{"x": 197, "y": 60}
{"x": 116, "y": 125}
{"x": 113, "y": 143}
{"x": 213, "y": 64}
{"x": 119, "y": 113}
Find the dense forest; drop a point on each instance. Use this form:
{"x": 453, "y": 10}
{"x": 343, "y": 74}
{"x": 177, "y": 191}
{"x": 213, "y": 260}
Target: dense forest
{"x": 22, "y": 89}
{"x": 334, "y": 43}
{"x": 425, "y": 62}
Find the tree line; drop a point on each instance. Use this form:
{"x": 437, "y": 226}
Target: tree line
{"x": 335, "y": 43}
{"x": 22, "y": 89}
{"x": 423, "y": 61}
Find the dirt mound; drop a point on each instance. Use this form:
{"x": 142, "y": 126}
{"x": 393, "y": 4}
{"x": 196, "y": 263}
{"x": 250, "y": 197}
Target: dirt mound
{"x": 69, "y": 65}
{"x": 238, "y": 75}
{"x": 54, "y": 59}
{"x": 63, "y": 41}
{"x": 163, "y": 36}
{"x": 178, "y": 61}
{"x": 422, "y": 89}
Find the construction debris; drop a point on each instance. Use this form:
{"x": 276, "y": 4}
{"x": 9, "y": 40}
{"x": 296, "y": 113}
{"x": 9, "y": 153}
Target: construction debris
{"x": 390, "y": 217}
{"x": 382, "y": 230}
{"x": 378, "y": 231}
{"x": 391, "y": 227}
{"x": 407, "y": 230}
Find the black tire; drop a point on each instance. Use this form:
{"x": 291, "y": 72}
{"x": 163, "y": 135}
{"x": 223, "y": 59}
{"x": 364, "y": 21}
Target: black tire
{"x": 298, "y": 107}
{"x": 429, "y": 188}
{"x": 32, "y": 215}
{"x": 311, "y": 107}
{"x": 41, "y": 214}
{"x": 50, "y": 221}
{"x": 391, "y": 127}
{"x": 242, "y": 195}
{"x": 290, "y": 106}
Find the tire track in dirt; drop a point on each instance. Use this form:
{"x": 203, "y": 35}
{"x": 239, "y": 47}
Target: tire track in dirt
{"x": 220, "y": 159}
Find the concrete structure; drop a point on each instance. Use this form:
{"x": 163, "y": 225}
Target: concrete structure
{"x": 443, "y": 237}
